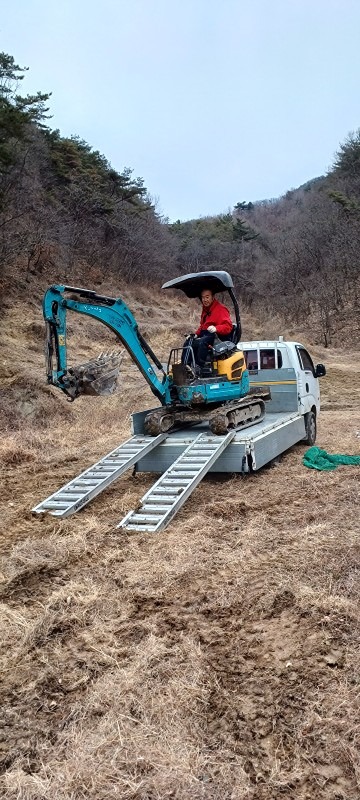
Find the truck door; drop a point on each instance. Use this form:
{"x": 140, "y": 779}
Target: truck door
{"x": 308, "y": 385}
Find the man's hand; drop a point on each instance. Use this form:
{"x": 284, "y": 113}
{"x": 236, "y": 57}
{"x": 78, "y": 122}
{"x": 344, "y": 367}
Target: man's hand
{"x": 212, "y": 329}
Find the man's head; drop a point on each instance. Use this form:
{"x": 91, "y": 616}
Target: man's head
{"x": 207, "y": 297}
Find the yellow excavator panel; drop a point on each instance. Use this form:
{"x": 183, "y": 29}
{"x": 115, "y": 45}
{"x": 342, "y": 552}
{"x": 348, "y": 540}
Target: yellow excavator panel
{"x": 232, "y": 367}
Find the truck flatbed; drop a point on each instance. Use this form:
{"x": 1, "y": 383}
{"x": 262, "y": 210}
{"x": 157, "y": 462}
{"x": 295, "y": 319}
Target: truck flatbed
{"x": 249, "y": 450}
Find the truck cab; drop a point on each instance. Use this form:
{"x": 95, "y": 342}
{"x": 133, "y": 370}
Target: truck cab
{"x": 279, "y": 364}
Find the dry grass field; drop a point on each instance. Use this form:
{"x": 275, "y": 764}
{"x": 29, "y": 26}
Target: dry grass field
{"x": 218, "y": 660}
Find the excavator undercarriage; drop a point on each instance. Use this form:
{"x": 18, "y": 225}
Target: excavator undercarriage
{"x": 236, "y": 414}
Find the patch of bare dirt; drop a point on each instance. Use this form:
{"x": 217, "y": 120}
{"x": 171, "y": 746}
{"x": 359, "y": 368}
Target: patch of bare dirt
{"x": 218, "y": 660}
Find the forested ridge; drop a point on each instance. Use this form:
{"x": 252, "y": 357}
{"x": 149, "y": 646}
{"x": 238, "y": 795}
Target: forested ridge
{"x": 67, "y": 215}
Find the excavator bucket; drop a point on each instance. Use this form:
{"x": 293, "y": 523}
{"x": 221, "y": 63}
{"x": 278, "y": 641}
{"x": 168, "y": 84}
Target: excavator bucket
{"x": 98, "y": 376}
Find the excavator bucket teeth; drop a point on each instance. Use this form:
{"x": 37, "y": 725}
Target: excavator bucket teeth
{"x": 98, "y": 376}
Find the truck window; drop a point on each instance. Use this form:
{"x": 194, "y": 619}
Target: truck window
{"x": 251, "y": 358}
{"x": 305, "y": 360}
{"x": 268, "y": 359}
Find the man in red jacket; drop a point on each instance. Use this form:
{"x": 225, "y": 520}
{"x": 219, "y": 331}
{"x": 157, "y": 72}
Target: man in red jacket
{"x": 215, "y": 319}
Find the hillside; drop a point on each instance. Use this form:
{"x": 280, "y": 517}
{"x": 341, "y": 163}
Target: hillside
{"x": 67, "y": 215}
{"x": 294, "y": 256}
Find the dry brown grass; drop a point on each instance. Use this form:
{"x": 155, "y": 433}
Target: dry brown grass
{"x": 218, "y": 660}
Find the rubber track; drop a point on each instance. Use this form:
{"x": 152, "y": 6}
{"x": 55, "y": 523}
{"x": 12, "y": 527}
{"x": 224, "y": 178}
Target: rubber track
{"x": 218, "y": 420}
{"x": 220, "y": 424}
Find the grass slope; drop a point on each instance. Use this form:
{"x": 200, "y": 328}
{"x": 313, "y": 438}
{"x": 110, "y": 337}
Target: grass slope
{"x": 218, "y": 660}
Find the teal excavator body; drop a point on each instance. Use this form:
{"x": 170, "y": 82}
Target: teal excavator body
{"x": 185, "y": 397}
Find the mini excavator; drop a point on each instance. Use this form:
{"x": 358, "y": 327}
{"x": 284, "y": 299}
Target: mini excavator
{"x": 219, "y": 395}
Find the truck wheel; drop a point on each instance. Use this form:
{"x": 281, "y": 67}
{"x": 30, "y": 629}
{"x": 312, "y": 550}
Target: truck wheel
{"x": 310, "y": 428}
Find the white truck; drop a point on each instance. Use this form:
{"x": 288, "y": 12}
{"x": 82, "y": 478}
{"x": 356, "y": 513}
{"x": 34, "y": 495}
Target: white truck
{"x": 182, "y": 457}
{"x": 287, "y": 369}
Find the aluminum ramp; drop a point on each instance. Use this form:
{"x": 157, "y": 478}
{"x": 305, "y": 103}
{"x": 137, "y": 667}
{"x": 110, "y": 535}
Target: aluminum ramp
{"x": 160, "y": 504}
{"x": 76, "y": 494}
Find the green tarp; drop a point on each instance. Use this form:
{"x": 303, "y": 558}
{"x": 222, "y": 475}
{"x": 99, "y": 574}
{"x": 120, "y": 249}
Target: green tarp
{"x": 315, "y": 458}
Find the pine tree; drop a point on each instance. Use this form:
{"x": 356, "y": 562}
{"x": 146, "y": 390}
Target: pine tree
{"x": 16, "y": 111}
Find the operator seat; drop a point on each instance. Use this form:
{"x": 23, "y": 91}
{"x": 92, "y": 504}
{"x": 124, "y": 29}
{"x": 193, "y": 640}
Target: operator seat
{"x": 229, "y": 337}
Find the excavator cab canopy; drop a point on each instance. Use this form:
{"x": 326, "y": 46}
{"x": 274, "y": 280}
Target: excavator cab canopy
{"x": 218, "y": 281}
{"x": 195, "y": 282}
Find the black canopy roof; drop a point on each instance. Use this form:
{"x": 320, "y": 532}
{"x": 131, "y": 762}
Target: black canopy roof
{"x": 194, "y": 283}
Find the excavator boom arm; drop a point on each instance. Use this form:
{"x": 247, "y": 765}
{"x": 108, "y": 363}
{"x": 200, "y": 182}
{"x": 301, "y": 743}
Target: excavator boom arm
{"x": 113, "y": 313}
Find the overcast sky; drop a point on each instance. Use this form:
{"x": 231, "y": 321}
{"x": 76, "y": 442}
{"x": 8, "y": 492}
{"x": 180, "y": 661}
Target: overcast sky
{"x": 210, "y": 101}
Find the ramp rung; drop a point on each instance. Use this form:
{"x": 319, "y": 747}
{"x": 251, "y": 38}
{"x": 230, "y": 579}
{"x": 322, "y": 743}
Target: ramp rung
{"x": 86, "y": 483}
{"x": 163, "y": 490}
{"x": 150, "y": 508}
{"x": 115, "y": 463}
{"x": 76, "y": 494}
{"x": 79, "y": 492}
{"x": 189, "y": 462}
{"x": 98, "y": 473}
{"x": 66, "y": 496}
{"x": 192, "y": 467}
{"x": 56, "y": 504}
{"x": 175, "y": 481}
{"x": 164, "y": 500}
{"x": 180, "y": 471}
{"x": 160, "y": 504}
{"x": 145, "y": 527}
{"x": 203, "y": 451}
